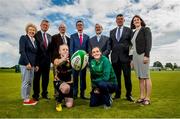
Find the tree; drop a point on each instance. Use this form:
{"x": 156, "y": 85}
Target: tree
{"x": 157, "y": 64}
{"x": 169, "y": 65}
{"x": 175, "y": 66}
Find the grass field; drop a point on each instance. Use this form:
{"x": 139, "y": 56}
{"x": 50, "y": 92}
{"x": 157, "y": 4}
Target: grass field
{"x": 165, "y": 100}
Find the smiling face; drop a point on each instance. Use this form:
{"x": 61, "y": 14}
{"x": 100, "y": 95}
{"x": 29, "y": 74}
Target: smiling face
{"x": 31, "y": 31}
{"x": 44, "y": 26}
{"x": 120, "y": 20}
{"x": 98, "y": 28}
{"x": 96, "y": 53}
{"x": 137, "y": 22}
{"x": 62, "y": 28}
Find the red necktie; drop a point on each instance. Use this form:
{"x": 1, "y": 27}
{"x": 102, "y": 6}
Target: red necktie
{"x": 81, "y": 39}
{"x": 44, "y": 37}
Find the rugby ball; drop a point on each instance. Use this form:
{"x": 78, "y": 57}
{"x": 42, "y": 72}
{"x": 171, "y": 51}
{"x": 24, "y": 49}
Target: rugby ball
{"x": 79, "y": 60}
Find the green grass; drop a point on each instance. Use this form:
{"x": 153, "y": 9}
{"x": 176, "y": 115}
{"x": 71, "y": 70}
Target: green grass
{"x": 165, "y": 100}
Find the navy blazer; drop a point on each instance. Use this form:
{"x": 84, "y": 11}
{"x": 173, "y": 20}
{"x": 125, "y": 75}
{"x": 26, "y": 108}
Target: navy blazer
{"x": 103, "y": 44}
{"x": 27, "y": 51}
{"x": 75, "y": 43}
{"x": 144, "y": 41}
{"x": 43, "y": 54}
{"x": 120, "y": 49}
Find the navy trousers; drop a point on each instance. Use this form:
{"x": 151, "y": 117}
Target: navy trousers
{"x": 103, "y": 97}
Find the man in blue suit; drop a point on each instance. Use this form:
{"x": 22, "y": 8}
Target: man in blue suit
{"x": 79, "y": 41}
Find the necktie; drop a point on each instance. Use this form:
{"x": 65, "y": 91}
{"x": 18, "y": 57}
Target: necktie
{"x": 98, "y": 38}
{"x": 119, "y": 34}
{"x": 44, "y": 37}
{"x": 81, "y": 39}
{"x": 63, "y": 38}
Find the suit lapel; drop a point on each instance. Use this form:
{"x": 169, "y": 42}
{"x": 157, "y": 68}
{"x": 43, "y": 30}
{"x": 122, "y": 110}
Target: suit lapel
{"x": 30, "y": 43}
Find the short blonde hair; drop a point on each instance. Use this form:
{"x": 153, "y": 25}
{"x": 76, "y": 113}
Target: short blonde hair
{"x": 30, "y": 25}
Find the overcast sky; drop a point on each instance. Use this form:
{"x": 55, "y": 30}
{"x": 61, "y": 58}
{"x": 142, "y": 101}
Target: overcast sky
{"x": 162, "y": 16}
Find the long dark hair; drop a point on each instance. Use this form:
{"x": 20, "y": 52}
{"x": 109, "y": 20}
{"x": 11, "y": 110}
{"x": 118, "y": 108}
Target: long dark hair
{"x": 142, "y": 22}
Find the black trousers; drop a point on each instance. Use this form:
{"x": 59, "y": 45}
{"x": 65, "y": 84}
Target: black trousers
{"x": 126, "y": 68}
{"x": 44, "y": 72}
{"x": 60, "y": 96}
{"x": 82, "y": 74}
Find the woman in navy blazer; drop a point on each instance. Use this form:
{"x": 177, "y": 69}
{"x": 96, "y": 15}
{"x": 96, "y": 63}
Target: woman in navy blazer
{"x": 141, "y": 46}
{"x": 27, "y": 50}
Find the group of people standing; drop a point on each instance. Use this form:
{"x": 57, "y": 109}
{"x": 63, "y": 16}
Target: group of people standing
{"x": 108, "y": 58}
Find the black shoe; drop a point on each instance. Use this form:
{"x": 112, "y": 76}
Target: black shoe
{"x": 82, "y": 97}
{"x": 36, "y": 99}
{"x": 46, "y": 97}
{"x": 117, "y": 97}
{"x": 75, "y": 97}
{"x": 130, "y": 98}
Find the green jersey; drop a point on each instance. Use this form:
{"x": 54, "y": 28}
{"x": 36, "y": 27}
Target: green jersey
{"x": 102, "y": 70}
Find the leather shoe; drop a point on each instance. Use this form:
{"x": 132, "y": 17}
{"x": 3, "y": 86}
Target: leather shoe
{"x": 130, "y": 98}
{"x": 83, "y": 97}
{"x": 36, "y": 99}
{"x": 117, "y": 97}
{"x": 46, "y": 97}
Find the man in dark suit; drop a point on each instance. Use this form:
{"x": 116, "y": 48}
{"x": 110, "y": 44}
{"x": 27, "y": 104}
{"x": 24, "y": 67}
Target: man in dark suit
{"x": 79, "y": 41}
{"x": 43, "y": 61}
{"x": 100, "y": 41}
{"x": 120, "y": 38}
{"x": 57, "y": 40}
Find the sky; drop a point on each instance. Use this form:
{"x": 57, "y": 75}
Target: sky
{"x": 162, "y": 16}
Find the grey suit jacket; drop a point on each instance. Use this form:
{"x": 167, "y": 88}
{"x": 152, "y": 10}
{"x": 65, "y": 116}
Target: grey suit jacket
{"x": 120, "y": 50}
{"x": 103, "y": 44}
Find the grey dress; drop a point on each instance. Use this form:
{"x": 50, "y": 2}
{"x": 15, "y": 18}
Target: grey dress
{"x": 141, "y": 69}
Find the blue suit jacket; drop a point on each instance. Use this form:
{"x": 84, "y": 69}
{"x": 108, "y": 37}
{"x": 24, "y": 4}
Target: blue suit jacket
{"x": 27, "y": 51}
{"x": 75, "y": 43}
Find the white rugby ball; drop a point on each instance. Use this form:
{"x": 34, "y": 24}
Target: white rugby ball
{"x": 79, "y": 60}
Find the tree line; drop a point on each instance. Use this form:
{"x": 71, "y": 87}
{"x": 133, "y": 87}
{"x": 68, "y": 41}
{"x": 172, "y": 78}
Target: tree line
{"x": 169, "y": 65}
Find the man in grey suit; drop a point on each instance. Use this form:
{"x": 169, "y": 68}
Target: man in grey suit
{"x": 100, "y": 41}
{"x": 120, "y": 40}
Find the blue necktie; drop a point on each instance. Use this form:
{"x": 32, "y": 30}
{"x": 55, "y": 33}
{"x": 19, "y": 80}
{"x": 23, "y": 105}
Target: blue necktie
{"x": 119, "y": 34}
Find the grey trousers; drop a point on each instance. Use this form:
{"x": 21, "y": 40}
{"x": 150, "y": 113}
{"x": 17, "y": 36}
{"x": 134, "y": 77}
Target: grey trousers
{"x": 27, "y": 79}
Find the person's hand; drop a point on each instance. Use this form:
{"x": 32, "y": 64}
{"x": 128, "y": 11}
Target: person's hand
{"x": 96, "y": 91}
{"x": 65, "y": 57}
{"x": 36, "y": 69}
{"x": 145, "y": 60}
{"x": 28, "y": 66}
{"x": 56, "y": 62}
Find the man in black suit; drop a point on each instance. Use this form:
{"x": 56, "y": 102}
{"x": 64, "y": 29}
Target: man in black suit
{"x": 43, "y": 61}
{"x": 120, "y": 38}
{"x": 100, "y": 41}
{"x": 57, "y": 40}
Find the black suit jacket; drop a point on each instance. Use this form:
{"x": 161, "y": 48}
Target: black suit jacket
{"x": 27, "y": 51}
{"x": 56, "y": 42}
{"x": 144, "y": 41}
{"x": 120, "y": 50}
{"x": 103, "y": 44}
{"x": 43, "y": 54}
